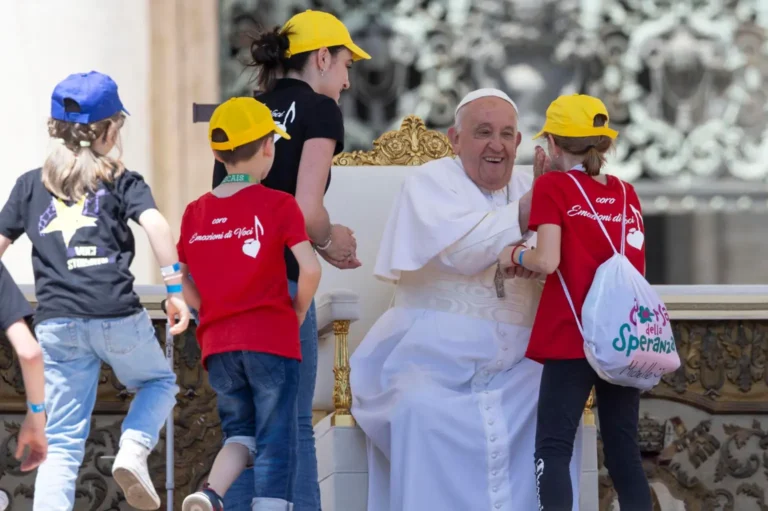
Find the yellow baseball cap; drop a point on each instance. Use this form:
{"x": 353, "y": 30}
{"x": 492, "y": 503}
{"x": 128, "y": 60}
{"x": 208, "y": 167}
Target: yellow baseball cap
{"x": 574, "y": 115}
{"x": 312, "y": 30}
{"x": 243, "y": 120}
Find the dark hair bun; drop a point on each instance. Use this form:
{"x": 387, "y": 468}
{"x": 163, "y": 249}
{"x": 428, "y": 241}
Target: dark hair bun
{"x": 269, "y": 48}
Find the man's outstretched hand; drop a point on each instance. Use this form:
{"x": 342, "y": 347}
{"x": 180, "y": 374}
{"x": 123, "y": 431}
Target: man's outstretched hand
{"x": 541, "y": 162}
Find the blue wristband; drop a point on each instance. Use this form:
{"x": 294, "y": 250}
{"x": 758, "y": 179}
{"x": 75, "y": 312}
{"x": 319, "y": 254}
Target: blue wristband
{"x": 520, "y": 257}
{"x": 36, "y": 408}
{"x": 175, "y": 288}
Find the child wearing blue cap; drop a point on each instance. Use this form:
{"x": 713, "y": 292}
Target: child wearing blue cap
{"x": 75, "y": 210}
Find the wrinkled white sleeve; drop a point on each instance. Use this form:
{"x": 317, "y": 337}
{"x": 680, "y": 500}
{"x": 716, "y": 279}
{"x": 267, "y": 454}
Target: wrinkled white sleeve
{"x": 480, "y": 247}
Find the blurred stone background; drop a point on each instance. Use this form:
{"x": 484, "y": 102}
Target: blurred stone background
{"x": 684, "y": 81}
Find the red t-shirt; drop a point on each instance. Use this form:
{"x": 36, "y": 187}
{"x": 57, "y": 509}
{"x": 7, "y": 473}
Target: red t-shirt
{"x": 234, "y": 248}
{"x": 557, "y": 200}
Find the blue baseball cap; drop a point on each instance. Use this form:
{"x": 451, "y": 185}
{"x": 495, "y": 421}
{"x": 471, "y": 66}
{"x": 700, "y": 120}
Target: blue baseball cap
{"x": 95, "y": 94}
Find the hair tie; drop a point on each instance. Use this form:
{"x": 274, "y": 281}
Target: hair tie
{"x": 85, "y": 143}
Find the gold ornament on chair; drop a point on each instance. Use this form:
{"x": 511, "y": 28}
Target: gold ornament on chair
{"x": 412, "y": 144}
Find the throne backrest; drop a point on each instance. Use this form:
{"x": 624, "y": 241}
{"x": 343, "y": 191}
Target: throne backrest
{"x": 363, "y": 189}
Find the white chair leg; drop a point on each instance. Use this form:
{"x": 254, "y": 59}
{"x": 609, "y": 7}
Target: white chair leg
{"x": 588, "y": 487}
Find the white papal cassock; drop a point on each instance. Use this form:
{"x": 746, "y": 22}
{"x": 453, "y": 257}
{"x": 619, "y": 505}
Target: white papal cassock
{"x": 440, "y": 383}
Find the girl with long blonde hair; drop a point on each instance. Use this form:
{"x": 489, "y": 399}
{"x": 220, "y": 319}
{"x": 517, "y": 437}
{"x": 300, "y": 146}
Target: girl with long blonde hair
{"x": 75, "y": 211}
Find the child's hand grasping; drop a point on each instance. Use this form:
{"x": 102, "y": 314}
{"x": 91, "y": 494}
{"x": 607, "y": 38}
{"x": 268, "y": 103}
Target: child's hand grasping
{"x": 176, "y": 306}
{"x": 541, "y": 162}
{"x": 32, "y": 435}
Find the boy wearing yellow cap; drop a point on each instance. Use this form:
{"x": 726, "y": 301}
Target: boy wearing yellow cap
{"x": 249, "y": 326}
{"x": 573, "y": 211}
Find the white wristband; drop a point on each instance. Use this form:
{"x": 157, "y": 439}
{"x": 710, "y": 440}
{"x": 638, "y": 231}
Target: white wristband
{"x": 170, "y": 270}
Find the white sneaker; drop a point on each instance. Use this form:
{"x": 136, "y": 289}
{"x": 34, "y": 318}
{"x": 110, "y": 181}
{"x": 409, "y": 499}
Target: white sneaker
{"x": 131, "y": 473}
{"x": 204, "y": 500}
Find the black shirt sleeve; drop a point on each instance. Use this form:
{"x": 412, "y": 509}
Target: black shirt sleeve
{"x": 13, "y": 305}
{"x": 326, "y": 121}
{"x": 12, "y": 215}
{"x": 135, "y": 195}
{"x": 219, "y": 173}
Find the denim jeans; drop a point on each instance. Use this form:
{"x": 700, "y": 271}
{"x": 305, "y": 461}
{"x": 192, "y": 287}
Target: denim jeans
{"x": 73, "y": 350}
{"x": 256, "y": 395}
{"x": 565, "y": 386}
{"x": 306, "y": 495}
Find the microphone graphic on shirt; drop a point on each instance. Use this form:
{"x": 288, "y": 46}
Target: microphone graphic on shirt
{"x": 252, "y": 246}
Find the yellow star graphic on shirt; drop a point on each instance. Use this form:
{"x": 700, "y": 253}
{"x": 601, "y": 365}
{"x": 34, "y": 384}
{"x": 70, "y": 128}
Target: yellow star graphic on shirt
{"x": 68, "y": 219}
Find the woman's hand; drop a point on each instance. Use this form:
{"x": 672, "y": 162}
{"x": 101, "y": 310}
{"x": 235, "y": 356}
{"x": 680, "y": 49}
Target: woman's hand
{"x": 343, "y": 250}
{"x": 350, "y": 263}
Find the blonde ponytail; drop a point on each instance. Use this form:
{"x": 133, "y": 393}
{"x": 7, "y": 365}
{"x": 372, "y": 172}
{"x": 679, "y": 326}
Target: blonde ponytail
{"x": 593, "y": 161}
{"x": 592, "y": 149}
{"x": 72, "y": 168}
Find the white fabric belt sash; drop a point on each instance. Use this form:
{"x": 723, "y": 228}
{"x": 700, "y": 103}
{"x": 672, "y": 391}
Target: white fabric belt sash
{"x": 473, "y": 296}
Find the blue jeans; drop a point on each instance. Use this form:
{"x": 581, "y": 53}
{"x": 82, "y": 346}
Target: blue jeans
{"x": 256, "y": 395}
{"x": 565, "y": 386}
{"x": 73, "y": 350}
{"x": 306, "y": 495}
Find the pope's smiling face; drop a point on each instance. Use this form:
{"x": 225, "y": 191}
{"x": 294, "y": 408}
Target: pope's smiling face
{"x": 486, "y": 139}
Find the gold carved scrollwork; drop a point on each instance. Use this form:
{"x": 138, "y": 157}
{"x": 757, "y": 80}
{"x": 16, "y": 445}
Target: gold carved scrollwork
{"x": 723, "y": 367}
{"x": 412, "y": 144}
{"x": 589, "y": 415}
{"x": 197, "y": 433}
{"x": 342, "y": 393}
{"x": 716, "y": 465}
{"x": 721, "y": 462}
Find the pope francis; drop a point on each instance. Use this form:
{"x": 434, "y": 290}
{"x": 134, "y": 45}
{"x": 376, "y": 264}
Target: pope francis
{"x": 440, "y": 383}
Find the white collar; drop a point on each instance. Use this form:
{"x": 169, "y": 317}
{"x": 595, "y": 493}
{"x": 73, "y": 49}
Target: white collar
{"x": 487, "y": 193}
{"x": 580, "y": 168}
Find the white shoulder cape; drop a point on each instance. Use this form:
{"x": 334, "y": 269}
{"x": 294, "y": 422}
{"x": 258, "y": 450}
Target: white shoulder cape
{"x": 436, "y": 207}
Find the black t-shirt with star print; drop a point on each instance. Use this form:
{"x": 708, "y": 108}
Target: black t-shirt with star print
{"x": 81, "y": 251}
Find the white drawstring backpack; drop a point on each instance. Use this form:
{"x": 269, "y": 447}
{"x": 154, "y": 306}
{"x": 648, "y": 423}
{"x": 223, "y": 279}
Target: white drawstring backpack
{"x": 628, "y": 339}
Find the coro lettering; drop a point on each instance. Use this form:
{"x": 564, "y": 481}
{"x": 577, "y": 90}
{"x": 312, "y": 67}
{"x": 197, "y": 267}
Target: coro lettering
{"x": 605, "y": 200}
{"x": 242, "y": 232}
{"x": 239, "y": 233}
{"x": 577, "y": 210}
{"x": 209, "y": 237}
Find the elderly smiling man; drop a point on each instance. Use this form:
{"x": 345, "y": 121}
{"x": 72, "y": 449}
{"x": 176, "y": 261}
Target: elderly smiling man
{"x": 440, "y": 383}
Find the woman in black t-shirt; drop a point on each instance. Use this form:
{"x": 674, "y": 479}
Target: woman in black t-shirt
{"x": 302, "y": 69}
